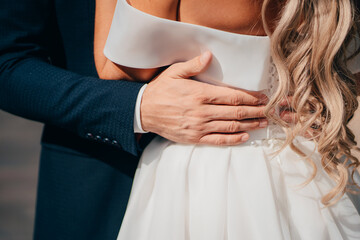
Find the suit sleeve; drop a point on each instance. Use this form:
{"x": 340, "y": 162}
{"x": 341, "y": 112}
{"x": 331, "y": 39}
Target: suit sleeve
{"x": 32, "y": 88}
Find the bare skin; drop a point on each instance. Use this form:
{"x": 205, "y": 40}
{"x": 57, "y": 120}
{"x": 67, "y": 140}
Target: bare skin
{"x": 173, "y": 105}
{"x": 200, "y": 113}
{"x": 237, "y": 16}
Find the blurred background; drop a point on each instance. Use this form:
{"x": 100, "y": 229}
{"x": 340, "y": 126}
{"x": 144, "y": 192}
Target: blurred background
{"x": 19, "y": 159}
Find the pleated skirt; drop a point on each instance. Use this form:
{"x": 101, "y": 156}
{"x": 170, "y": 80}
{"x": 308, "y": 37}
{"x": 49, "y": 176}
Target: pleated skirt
{"x": 197, "y": 192}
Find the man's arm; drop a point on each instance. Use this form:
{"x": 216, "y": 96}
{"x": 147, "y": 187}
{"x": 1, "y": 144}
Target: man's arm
{"x": 173, "y": 106}
{"x": 32, "y": 88}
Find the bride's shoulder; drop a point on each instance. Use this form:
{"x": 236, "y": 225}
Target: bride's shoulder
{"x": 161, "y": 8}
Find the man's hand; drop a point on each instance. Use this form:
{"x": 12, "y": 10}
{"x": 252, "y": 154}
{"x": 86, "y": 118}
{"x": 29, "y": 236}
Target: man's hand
{"x": 188, "y": 111}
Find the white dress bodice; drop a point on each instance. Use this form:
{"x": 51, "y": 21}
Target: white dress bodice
{"x": 140, "y": 40}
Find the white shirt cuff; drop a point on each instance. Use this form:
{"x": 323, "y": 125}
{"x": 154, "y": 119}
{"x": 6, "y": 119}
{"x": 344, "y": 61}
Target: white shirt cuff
{"x": 137, "y": 115}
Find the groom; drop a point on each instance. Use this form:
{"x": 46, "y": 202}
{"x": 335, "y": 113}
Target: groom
{"x": 89, "y": 148}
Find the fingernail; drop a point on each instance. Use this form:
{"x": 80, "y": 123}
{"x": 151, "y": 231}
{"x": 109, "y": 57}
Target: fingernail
{"x": 245, "y": 137}
{"x": 204, "y": 58}
{"x": 263, "y": 123}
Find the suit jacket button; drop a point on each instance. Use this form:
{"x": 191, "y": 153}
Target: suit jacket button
{"x": 89, "y": 135}
{"x": 98, "y": 138}
{"x": 106, "y": 140}
{"x": 114, "y": 142}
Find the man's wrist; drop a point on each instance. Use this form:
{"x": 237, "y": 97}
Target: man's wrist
{"x": 137, "y": 114}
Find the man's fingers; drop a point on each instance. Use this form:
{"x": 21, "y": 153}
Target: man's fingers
{"x": 192, "y": 67}
{"x": 224, "y": 139}
{"x": 235, "y": 97}
{"x": 211, "y": 94}
{"x": 236, "y": 126}
{"x": 223, "y": 112}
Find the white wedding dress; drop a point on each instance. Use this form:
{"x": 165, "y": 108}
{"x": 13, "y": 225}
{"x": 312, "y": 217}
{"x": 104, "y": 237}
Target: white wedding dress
{"x": 197, "y": 192}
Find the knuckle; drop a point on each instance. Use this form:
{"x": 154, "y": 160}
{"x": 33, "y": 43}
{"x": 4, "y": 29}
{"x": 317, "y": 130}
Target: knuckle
{"x": 185, "y": 125}
{"x": 233, "y": 126}
{"x": 256, "y": 101}
{"x": 202, "y": 140}
{"x": 236, "y": 99}
{"x": 219, "y": 141}
{"x": 200, "y": 116}
{"x": 193, "y": 137}
{"x": 240, "y": 113}
{"x": 194, "y": 125}
{"x": 200, "y": 98}
{"x": 260, "y": 113}
{"x": 199, "y": 128}
{"x": 210, "y": 99}
{"x": 186, "y": 136}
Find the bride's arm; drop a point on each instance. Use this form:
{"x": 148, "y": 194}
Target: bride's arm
{"x": 103, "y": 18}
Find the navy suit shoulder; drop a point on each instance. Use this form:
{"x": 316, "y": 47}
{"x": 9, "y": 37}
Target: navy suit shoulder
{"x": 89, "y": 151}
{"x": 39, "y": 32}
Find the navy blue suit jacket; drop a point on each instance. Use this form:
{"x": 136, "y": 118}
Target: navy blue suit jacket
{"x": 89, "y": 152}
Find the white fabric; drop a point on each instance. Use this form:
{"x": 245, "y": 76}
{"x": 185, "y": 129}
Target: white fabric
{"x": 214, "y": 193}
{"x": 137, "y": 116}
{"x": 139, "y": 40}
{"x": 195, "y": 192}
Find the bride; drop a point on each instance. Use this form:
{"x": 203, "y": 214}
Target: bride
{"x": 289, "y": 180}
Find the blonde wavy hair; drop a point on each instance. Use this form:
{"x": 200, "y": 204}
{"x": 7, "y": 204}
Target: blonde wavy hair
{"x": 309, "y": 42}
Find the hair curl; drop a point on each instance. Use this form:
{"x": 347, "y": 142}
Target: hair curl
{"x": 309, "y": 47}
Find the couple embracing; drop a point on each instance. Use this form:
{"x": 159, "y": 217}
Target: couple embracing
{"x": 250, "y": 101}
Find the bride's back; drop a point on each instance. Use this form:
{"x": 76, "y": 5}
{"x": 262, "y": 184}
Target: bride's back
{"x": 238, "y": 16}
